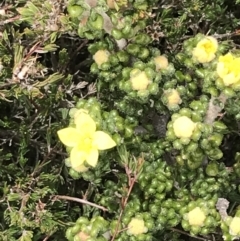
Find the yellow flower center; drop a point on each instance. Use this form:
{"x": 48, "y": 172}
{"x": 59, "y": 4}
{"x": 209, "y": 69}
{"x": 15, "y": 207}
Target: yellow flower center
{"x": 136, "y": 226}
{"x": 196, "y": 217}
{"x": 139, "y": 80}
{"x": 173, "y": 97}
{"x": 183, "y": 127}
{"x": 208, "y": 47}
{"x": 86, "y": 144}
{"x": 101, "y": 56}
{"x": 161, "y": 62}
{"x": 235, "y": 226}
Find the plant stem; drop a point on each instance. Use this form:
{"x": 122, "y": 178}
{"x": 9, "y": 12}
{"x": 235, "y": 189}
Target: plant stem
{"x": 131, "y": 182}
{"x": 79, "y": 200}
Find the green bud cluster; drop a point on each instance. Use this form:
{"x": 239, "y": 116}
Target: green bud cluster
{"x": 232, "y": 107}
{"x": 137, "y": 47}
{"x": 230, "y": 227}
{"x": 110, "y": 197}
{"x": 87, "y": 19}
{"x": 214, "y": 184}
{"x": 156, "y": 180}
{"x": 139, "y": 226}
{"x": 153, "y": 150}
{"x": 179, "y": 90}
{"x": 200, "y": 217}
{"x": 128, "y": 108}
{"x": 199, "y": 140}
{"x": 100, "y": 17}
{"x": 182, "y": 195}
{"x": 140, "y": 82}
{"x": 120, "y": 128}
{"x": 88, "y": 230}
{"x": 125, "y": 27}
{"x": 108, "y": 62}
{"x": 169, "y": 214}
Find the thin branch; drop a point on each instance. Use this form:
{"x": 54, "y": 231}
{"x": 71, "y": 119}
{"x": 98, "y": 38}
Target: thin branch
{"x": 131, "y": 184}
{"x": 79, "y": 200}
{"x": 187, "y": 234}
{"x": 46, "y": 238}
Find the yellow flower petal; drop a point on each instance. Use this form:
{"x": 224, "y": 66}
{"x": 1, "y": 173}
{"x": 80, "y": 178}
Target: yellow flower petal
{"x": 229, "y": 79}
{"x": 103, "y": 141}
{"x": 84, "y": 123}
{"x": 92, "y": 157}
{"x": 77, "y": 157}
{"x": 221, "y": 70}
{"x": 81, "y": 168}
{"x": 235, "y": 226}
{"x": 228, "y": 69}
{"x": 227, "y": 58}
{"x": 69, "y": 136}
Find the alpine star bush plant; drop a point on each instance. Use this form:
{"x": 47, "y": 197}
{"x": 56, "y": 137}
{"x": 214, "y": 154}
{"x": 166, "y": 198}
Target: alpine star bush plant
{"x": 119, "y": 120}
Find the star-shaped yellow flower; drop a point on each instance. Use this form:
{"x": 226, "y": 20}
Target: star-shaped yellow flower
{"x": 228, "y": 69}
{"x": 84, "y": 140}
{"x": 205, "y": 50}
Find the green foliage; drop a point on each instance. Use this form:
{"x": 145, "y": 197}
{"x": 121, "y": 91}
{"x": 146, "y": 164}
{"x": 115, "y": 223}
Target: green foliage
{"x": 136, "y": 67}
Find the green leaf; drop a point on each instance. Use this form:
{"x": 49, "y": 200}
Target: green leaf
{"x": 32, "y": 7}
{"x": 53, "y": 37}
{"x": 51, "y": 79}
{"x": 50, "y": 47}
{"x": 64, "y": 112}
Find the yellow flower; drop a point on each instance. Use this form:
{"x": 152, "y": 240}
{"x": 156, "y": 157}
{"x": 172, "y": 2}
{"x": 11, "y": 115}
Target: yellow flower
{"x": 136, "y": 226}
{"x": 139, "y": 80}
{"x": 101, "y": 56}
{"x": 228, "y": 69}
{"x": 183, "y": 127}
{"x": 205, "y": 50}
{"x": 196, "y": 217}
{"x": 85, "y": 141}
{"x": 161, "y": 62}
{"x": 234, "y": 226}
